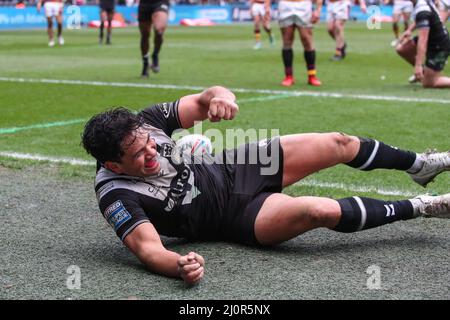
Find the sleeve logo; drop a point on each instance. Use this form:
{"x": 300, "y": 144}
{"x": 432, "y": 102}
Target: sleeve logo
{"x": 165, "y": 109}
{"x": 116, "y": 215}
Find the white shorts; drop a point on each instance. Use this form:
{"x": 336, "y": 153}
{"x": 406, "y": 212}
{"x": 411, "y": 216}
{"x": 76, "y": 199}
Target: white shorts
{"x": 258, "y": 9}
{"x": 53, "y": 9}
{"x": 444, "y": 5}
{"x": 403, "y": 6}
{"x": 339, "y": 10}
{"x": 297, "y": 13}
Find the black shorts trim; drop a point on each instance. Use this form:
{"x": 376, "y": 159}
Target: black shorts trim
{"x": 107, "y": 8}
{"x": 145, "y": 11}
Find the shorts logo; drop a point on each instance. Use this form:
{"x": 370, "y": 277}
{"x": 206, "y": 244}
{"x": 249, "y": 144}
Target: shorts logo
{"x": 116, "y": 215}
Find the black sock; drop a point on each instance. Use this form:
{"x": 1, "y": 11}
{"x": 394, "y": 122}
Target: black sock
{"x": 310, "y": 59}
{"x": 373, "y": 154}
{"x": 359, "y": 213}
{"x": 102, "y": 25}
{"x": 288, "y": 57}
{"x": 155, "y": 60}
{"x": 157, "y": 43}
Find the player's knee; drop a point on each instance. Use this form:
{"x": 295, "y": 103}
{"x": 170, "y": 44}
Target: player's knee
{"x": 428, "y": 83}
{"x": 317, "y": 215}
{"x": 159, "y": 31}
{"x": 342, "y": 145}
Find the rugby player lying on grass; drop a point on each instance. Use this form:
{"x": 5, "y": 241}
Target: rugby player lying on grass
{"x": 145, "y": 190}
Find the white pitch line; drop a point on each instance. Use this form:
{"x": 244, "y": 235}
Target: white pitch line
{"x": 353, "y": 188}
{"x": 306, "y": 183}
{"x": 241, "y": 90}
{"x": 37, "y": 157}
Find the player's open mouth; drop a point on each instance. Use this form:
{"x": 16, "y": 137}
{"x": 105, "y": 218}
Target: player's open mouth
{"x": 151, "y": 164}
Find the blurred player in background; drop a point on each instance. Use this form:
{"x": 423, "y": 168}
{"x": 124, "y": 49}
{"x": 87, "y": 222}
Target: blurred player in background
{"x": 428, "y": 52}
{"x": 298, "y": 14}
{"x": 152, "y": 13}
{"x": 260, "y": 10}
{"x": 402, "y": 9}
{"x": 106, "y": 14}
{"x": 338, "y": 12}
{"x": 444, "y": 9}
{"x": 52, "y": 9}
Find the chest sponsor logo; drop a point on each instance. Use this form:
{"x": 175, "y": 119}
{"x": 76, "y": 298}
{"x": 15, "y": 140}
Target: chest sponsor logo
{"x": 116, "y": 215}
{"x": 178, "y": 188}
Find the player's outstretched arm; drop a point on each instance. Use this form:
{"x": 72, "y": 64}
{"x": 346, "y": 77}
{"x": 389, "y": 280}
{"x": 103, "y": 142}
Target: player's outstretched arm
{"x": 215, "y": 103}
{"x": 146, "y": 244}
{"x": 421, "y": 52}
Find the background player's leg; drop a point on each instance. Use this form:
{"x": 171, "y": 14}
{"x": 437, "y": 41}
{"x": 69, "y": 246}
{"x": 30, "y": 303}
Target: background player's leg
{"x": 51, "y": 41}
{"x": 102, "y": 24}
{"x": 257, "y": 31}
{"x": 407, "y": 51}
{"x": 306, "y": 37}
{"x": 287, "y": 34}
{"x": 159, "y": 20}
{"x": 59, "y": 21}
{"x": 110, "y": 15}
{"x": 266, "y": 25}
{"x": 144, "y": 28}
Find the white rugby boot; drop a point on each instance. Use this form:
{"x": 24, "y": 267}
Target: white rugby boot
{"x": 433, "y": 164}
{"x": 432, "y": 206}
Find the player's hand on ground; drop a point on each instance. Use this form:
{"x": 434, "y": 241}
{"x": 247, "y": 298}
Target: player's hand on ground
{"x": 418, "y": 72}
{"x": 191, "y": 267}
{"x": 222, "y": 108}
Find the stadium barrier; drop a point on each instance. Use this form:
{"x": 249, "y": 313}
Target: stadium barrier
{"x": 79, "y": 16}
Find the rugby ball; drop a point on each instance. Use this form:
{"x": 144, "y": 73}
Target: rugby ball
{"x": 195, "y": 144}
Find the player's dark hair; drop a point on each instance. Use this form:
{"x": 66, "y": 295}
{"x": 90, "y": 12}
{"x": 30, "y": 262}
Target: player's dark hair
{"x": 104, "y": 133}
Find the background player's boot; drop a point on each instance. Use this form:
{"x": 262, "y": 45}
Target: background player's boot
{"x": 343, "y": 50}
{"x": 108, "y": 39}
{"x": 257, "y": 45}
{"x": 60, "y": 40}
{"x": 51, "y": 43}
{"x": 144, "y": 73}
{"x": 155, "y": 64}
{"x": 336, "y": 57}
{"x": 288, "y": 81}
{"x": 432, "y": 206}
{"x": 314, "y": 81}
{"x": 433, "y": 164}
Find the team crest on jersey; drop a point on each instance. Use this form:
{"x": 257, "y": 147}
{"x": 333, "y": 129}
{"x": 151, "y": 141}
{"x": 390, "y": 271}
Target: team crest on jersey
{"x": 116, "y": 215}
{"x": 166, "y": 150}
{"x": 165, "y": 109}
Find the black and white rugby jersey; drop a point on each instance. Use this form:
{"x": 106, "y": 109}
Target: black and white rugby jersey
{"x": 183, "y": 200}
{"x": 427, "y": 16}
